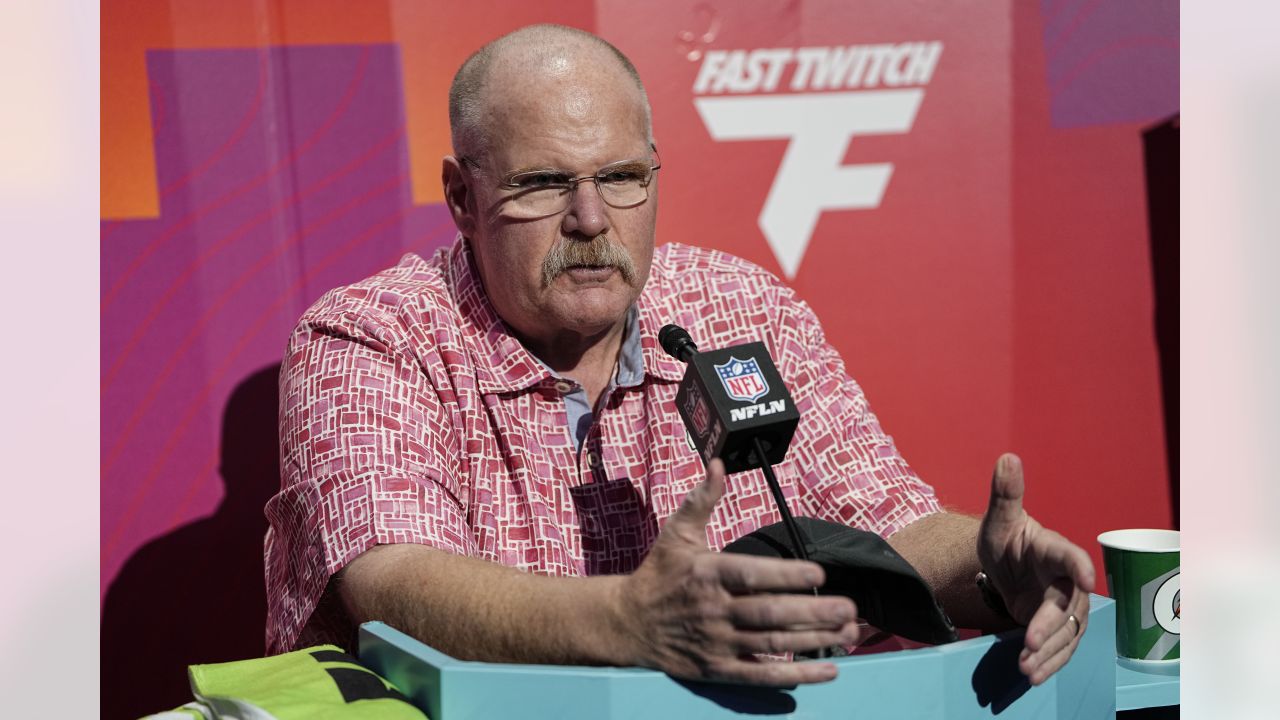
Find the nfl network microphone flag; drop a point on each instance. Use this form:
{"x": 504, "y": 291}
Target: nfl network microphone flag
{"x": 731, "y": 396}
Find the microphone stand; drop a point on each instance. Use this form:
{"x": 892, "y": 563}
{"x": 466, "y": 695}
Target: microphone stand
{"x": 798, "y": 543}
{"x": 797, "y": 540}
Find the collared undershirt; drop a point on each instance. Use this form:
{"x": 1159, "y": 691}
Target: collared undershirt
{"x": 629, "y": 372}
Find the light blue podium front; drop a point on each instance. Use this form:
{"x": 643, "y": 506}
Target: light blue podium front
{"x": 976, "y": 678}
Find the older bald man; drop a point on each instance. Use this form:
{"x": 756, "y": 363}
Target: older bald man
{"x": 482, "y": 449}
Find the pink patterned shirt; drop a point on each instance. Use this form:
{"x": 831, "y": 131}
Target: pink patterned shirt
{"x": 409, "y": 414}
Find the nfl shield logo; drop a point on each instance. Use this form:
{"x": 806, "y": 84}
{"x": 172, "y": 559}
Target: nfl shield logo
{"x": 742, "y": 379}
{"x": 699, "y": 415}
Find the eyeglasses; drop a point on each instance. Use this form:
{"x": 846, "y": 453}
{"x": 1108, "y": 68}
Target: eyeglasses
{"x": 535, "y": 194}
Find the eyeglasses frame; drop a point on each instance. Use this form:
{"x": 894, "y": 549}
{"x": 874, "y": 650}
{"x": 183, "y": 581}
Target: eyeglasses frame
{"x": 575, "y": 181}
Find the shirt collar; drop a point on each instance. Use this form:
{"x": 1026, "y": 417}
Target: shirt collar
{"x": 631, "y": 357}
{"x": 656, "y": 361}
{"x": 504, "y": 365}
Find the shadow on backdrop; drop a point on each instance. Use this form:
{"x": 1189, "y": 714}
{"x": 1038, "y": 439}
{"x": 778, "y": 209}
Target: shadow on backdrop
{"x": 196, "y": 595}
{"x": 1161, "y": 160}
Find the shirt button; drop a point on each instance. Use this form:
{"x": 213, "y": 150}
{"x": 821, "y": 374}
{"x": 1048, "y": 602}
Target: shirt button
{"x": 564, "y": 387}
{"x": 593, "y": 459}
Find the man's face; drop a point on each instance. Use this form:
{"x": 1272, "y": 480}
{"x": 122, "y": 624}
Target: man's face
{"x": 574, "y": 122}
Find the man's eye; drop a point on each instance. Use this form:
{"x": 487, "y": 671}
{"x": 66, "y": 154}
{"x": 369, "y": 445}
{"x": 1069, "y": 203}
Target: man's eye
{"x": 622, "y": 177}
{"x": 533, "y": 181}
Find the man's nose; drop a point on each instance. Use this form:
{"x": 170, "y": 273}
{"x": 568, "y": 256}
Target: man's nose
{"x": 588, "y": 215}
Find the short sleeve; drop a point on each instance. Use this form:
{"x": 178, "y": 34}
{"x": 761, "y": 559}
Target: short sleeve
{"x": 852, "y": 473}
{"x": 369, "y": 455}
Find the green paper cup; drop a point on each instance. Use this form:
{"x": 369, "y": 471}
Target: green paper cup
{"x": 1142, "y": 576}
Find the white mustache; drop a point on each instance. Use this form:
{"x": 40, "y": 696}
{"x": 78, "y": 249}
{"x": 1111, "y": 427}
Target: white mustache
{"x": 596, "y": 252}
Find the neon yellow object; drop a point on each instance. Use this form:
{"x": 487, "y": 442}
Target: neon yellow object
{"x": 318, "y": 683}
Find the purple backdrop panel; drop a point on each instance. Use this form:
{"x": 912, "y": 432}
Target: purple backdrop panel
{"x": 1109, "y": 62}
{"x": 283, "y": 172}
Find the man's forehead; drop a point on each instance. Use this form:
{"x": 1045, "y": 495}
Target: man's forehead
{"x": 560, "y": 83}
{"x": 569, "y": 149}
{"x": 571, "y": 117}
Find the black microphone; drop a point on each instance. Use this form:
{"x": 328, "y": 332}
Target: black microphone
{"x": 676, "y": 341}
{"x": 730, "y": 400}
{"x": 736, "y": 408}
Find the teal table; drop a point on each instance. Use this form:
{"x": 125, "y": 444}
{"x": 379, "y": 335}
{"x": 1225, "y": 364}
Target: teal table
{"x": 1136, "y": 689}
{"x": 975, "y": 678}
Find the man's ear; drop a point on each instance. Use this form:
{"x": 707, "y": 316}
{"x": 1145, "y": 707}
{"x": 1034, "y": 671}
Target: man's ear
{"x": 457, "y": 195}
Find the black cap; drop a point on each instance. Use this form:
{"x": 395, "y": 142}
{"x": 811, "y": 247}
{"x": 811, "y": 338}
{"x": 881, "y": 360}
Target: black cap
{"x": 860, "y": 565}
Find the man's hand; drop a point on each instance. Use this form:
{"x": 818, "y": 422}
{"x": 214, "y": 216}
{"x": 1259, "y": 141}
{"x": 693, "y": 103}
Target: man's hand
{"x": 700, "y": 615}
{"x": 1043, "y": 578}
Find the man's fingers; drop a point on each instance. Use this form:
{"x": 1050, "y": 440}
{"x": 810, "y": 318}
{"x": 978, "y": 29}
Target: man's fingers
{"x": 1057, "y": 651}
{"x": 1067, "y": 559}
{"x": 1078, "y": 565}
{"x": 691, "y": 518}
{"x": 1007, "y": 488}
{"x": 1041, "y": 666}
{"x": 741, "y": 574}
{"x": 780, "y": 641}
{"x": 791, "y": 612}
{"x": 1051, "y": 614}
{"x": 772, "y": 673}
{"x": 1052, "y": 636}
{"x": 1057, "y": 640}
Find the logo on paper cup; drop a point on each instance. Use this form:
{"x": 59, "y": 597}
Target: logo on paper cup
{"x": 1166, "y": 607}
{"x": 1162, "y": 608}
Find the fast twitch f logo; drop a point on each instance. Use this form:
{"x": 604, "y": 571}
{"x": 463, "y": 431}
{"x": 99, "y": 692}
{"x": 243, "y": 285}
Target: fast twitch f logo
{"x": 818, "y": 125}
